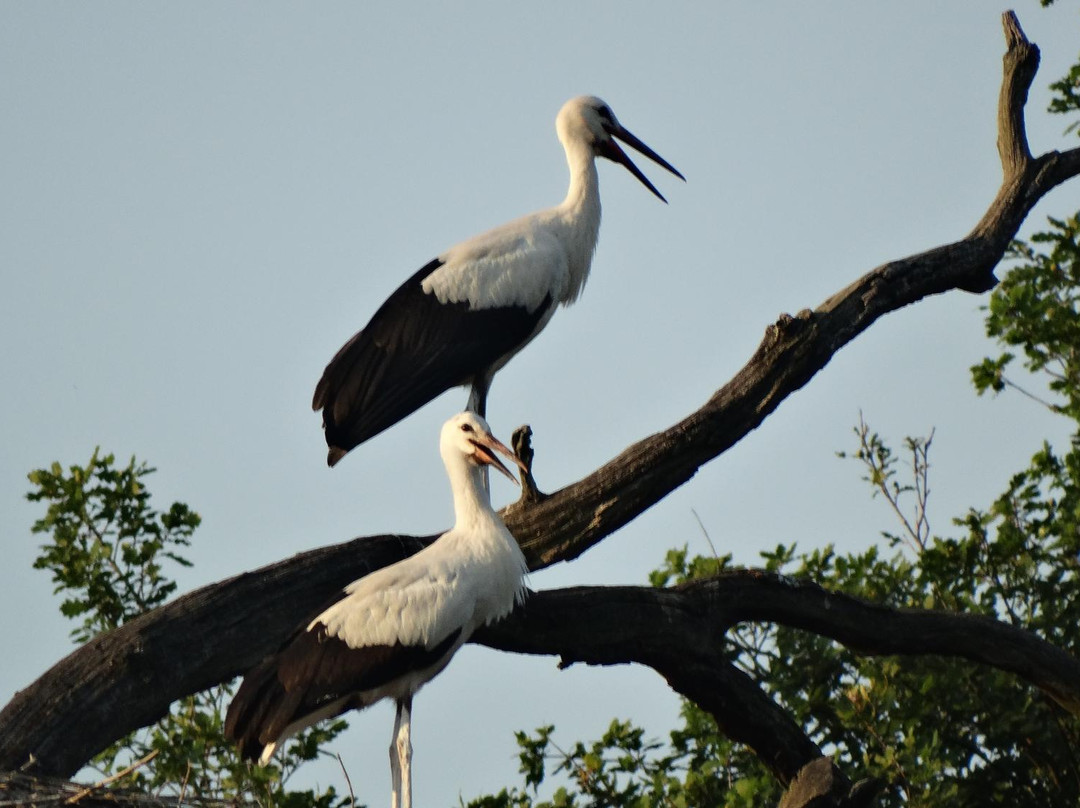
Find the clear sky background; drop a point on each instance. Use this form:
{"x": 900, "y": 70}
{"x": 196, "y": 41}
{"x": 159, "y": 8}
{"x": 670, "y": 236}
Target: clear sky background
{"x": 201, "y": 203}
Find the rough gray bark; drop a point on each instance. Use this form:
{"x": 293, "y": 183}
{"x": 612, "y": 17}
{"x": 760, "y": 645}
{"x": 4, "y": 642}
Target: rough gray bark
{"x": 128, "y": 678}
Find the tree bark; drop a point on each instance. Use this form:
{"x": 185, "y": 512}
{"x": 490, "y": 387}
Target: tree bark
{"x": 127, "y": 678}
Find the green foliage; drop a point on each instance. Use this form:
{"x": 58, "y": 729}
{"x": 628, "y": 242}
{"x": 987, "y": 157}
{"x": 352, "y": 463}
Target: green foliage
{"x": 937, "y": 727}
{"x": 107, "y": 545}
{"x": 1066, "y": 99}
{"x": 624, "y": 768}
{"x": 108, "y": 552}
{"x": 1036, "y": 308}
{"x": 1067, "y": 96}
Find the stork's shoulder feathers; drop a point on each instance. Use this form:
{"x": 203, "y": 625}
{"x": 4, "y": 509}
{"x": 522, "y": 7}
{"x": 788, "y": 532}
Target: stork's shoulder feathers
{"x": 522, "y": 263}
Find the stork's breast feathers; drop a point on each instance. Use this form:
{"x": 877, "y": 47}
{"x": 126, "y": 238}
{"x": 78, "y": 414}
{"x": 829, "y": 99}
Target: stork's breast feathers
{"x": 519, "y": 268}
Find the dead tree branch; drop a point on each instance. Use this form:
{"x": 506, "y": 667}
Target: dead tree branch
{"x": 127, "y": 678}
{"x": 668, "y": 629}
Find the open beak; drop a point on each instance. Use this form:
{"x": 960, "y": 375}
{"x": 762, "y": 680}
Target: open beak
{"x": 486, "y": 445}
{"x": 611, "y": 150}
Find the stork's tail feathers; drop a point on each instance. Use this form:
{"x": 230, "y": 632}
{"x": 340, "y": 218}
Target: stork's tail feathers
{"x": 259, "y": 712}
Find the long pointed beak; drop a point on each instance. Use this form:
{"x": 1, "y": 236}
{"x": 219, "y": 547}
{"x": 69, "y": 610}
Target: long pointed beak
{"x": 486, "y": 444}
{"x": 611, "y": 150}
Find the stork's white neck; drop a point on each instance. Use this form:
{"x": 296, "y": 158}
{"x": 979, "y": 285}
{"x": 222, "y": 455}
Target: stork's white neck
{"x": 472, "y": 504}
{"x": 580, "y": 213}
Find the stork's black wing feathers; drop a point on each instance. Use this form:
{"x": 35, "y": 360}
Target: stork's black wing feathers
{"x": 312, "y": 671}
{"x": 413, "y": 349}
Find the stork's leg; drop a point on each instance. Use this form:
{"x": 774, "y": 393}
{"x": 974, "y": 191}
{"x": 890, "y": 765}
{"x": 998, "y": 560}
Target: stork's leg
{"x": 395, "y": 764}
{"x": 478, "y": 404}
{"x": 478, "y": 395}
{"x": 405, "y": 749}
{"x": 401, "y": 756}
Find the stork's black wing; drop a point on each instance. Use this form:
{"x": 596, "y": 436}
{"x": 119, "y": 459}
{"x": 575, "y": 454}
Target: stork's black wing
{"x": 413, "y": 349}
{"x": 312, "y": 673}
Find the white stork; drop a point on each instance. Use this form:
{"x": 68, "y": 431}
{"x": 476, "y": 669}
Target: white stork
{"x": 465, "y": 314}
{"x": 393, "y": 630}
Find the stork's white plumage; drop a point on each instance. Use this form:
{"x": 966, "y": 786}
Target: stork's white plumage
{"x": 392, "y": 631}
{"x": 465, "y": 314}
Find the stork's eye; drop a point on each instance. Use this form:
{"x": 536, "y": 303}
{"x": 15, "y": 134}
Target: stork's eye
{"x": 466, "y": 427}
{"x": 604, "y": 112}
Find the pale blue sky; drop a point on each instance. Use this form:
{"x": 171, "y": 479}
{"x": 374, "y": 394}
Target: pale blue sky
{"x": 201, "y": 203}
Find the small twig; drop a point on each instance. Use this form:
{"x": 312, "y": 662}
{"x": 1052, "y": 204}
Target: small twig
{"x": 705, "y": 533}
{"x": 113, "y": 778}
{"x": 920, "y": 472}
{"x": 348, "y": 782}
{"x": 184, "y": 782}
{"x": 1049, "y": 405}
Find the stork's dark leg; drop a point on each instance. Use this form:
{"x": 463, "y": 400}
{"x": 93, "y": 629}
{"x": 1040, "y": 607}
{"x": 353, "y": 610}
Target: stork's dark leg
{"x": 478, "y": 404}
{"x": 478, "y": 394}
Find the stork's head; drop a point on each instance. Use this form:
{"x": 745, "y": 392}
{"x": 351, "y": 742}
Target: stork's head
{"x": 467, "y": 435}
{"x": 587, "y": 119}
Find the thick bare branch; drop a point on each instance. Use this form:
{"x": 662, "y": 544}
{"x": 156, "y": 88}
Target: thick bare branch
{"x": 664, "y": 628}
{"x": 128, "y": 677}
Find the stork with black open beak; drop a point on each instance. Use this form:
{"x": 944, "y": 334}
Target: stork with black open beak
{"x": 462, "y": 317}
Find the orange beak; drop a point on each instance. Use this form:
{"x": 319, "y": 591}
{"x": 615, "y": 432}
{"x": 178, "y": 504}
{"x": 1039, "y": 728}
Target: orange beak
{"x": 486, "y": 445}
